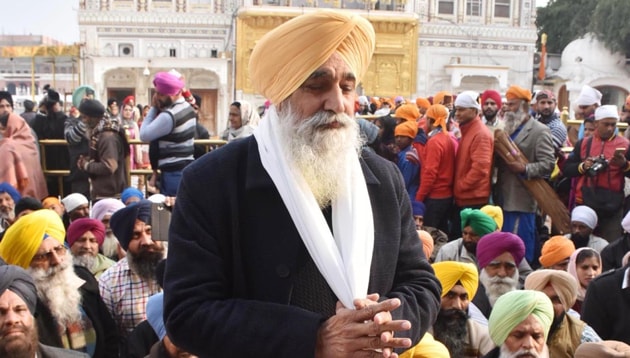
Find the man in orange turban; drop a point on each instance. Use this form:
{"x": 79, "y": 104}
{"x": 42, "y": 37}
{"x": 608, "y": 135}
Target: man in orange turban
{"x": 408, "y": 159}
{"x": 534, "y": 141}
{"x": 302, "y": 174}
{"x": 555, "y": 253}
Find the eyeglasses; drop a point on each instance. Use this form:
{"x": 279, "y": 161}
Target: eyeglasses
{"x": 47, "y": 256}
{"x": 507, "y": 266}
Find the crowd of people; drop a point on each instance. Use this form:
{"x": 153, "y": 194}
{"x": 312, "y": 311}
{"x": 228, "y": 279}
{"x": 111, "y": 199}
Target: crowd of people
{"x": 335, "y": 225}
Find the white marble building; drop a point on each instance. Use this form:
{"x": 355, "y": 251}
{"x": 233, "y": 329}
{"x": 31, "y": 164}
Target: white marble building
{"x": 127, "y": 41}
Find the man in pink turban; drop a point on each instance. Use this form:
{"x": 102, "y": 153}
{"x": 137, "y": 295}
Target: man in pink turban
{"x": 85, "y": 237}
{"x": 498, "y": 255}
{"x": 171, "y": 122}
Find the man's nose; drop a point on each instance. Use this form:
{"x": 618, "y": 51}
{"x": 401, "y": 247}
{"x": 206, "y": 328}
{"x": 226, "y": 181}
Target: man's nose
{"x": 335, "y": 101}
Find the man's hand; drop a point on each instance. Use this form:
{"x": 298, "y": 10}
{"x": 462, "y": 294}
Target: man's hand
{"x": 516, "y": 167}
{"x": 367, "y": 331}
{"x": 587, "y": 164}
{"x": 618, "y": 160}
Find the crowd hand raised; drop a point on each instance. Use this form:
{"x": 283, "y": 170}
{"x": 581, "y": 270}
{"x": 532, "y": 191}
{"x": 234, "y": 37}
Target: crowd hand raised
{"x": 367, "y": 331}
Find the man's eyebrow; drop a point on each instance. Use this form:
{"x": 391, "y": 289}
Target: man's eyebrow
{"x": 318, "y": 74}
{"x": 349, "y": 76}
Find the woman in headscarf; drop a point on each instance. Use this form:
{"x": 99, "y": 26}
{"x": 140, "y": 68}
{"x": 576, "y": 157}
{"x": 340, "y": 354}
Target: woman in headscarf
{"x": 20, "y": 165}
{"x": 584, "y": 264}
{"x": 243, "y": 118}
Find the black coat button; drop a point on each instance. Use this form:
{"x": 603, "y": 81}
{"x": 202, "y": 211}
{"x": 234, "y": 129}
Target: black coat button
{"x": 282, "y": 271}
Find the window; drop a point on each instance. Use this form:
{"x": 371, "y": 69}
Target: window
{"x": 502, "y": 8}
{"x": 446, "y": 7}
{"x": 172, "y": 52}
{"x": 473, "y": 7}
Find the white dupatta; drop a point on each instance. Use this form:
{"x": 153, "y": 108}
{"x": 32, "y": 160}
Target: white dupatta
{"x": 344, "y": 259}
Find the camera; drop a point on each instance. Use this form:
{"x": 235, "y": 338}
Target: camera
{"x": 600, "y": 164}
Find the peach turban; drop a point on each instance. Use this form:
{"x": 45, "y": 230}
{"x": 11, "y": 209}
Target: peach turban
{"x": 406, "y": 129}
{"x": 287, "y": 55}
{"x": 450, "y": 273}
{"x": 439, "y": 113}
{"x": 427, "y": 242}
{"x": 439, "y": 97}
{"x": 22, "y": 239}
{"x": 407, "y": 112}
{"x": 556, "y": 249}
{"x": 424, "y": 103}
{"x": 49, "y": 201}
{"x": 517, "y": 92}
{"x": 565, "y": 285}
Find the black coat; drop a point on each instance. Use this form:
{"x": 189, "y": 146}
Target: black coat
{"x": 613, "y": 254}
{"x": 606, "y": 306}
{"x": 234, "y": 253}
{"x": 104, "y": 326}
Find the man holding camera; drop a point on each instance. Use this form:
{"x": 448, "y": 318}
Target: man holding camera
{"x": 601, "y": 162}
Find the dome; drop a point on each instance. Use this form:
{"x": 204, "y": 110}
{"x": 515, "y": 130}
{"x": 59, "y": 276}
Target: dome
{"x": 589, "y": 52}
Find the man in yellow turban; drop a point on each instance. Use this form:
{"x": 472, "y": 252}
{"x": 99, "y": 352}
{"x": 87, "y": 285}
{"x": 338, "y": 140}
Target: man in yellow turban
{"x": 68, "y": 297}
{"x": 301, "y": 175}
{"x": 534, "y": 141}
{"x": 567, "y": 332}
{"x": 519, "y": 324}
{"x": 463, "y": 336}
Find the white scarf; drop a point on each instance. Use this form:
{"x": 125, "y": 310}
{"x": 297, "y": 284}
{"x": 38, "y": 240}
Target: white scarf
{"x": 344, "y": 259}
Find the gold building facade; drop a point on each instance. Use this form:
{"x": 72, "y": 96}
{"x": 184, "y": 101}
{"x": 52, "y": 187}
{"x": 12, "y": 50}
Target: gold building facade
{"x": 392, "y": 71}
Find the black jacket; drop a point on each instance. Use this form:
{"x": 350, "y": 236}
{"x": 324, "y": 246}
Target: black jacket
{"x": 104, "y": 326}
{"x": 234, "y": 253}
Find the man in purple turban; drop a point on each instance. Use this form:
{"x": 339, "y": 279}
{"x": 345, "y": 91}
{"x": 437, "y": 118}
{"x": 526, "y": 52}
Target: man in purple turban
{"x": 170, "y": 126}
{"x": 498, "y": 255}
{"x": 85, "y": 237}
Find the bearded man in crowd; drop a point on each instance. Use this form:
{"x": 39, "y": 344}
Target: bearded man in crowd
{"x": 18, "y": 332}
{"x": 302, "y": 176}
{"x": 498, "y": 254}
{"x": 103, "y": 211}
{"x": 567, "y": 332}
{"x": 533, "y": 139}
{"x": 9, "y": 196}
{"x": 70, "y": 312}
{"x": 463, "y": 336}
{"x": 519, "y": 325}
{"x": 128, "y": 284}
{"x": 85, "y": 236}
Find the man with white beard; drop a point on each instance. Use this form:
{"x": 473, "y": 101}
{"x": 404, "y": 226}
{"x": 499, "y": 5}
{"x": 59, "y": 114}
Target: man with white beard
{"x": 70, "y": 311}
{"x": 85, "y": 236}
{"x": 8, "y": 197}
{"x": 498, "y": 254}
{"x": 293, "y": 237}
{"x": 534, "y": 140}
{"x": 519, "y": 325}
{"x": 128, "y": 284}
{"x": 103, "y": 211}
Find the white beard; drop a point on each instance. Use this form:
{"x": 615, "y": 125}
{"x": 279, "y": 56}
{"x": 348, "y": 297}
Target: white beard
{"x": 7, "y": 213}
{"x": 528, "y": 353}
{"x": 498, "y": 286}
{"x": 85, "y": 260}
{"x": 110, "y": 245}
{"x": 514, "y": 119}
{"x": 55, "y": 288}
{"x": 319, "y": 152}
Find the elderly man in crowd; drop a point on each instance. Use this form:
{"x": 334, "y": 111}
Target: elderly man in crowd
{"x": 70, "y": 312}
{"x": 8, "y": 197}
{"x": 128, "y": 284}
{"x": 103, "y": 211}
{"x": 77, "y": 206}
{"x": 556, "y": 252}
{"x": 567, "y": 332}
{"x": 85, "y": 236}
{"x": 296, "y": 293}
{"x": 18, "y": 333}
{"x": 583, "y": 222}
{"x": 462, "y": 336}
{"x": 519, "y": 325}
{"x": 534, "y": 141}
{"x": 498, "y": 254}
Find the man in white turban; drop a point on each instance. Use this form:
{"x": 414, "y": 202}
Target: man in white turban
{"x": 289, "y": 243}
{"x": 567, "y": 332}
{"x": 519, "y": 325}
{"x": 583, "y": 222}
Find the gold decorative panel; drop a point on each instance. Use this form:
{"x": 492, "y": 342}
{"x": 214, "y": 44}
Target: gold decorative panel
{"x": 392, "y": 71}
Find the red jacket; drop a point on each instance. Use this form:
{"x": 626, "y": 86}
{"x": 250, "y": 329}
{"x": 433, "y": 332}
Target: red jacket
{"x": 438, "y": 168}
{"x": 473, "y": 164}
